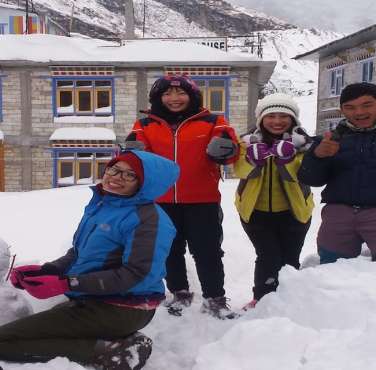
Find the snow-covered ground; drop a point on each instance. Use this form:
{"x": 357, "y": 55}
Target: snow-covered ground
{"x": 321, "y": 317}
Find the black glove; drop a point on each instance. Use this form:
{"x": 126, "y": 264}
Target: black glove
{"x": 221, "y": 148}
{"x": 131, "y": 143}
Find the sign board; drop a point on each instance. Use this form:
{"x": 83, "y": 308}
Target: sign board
{"x": 213, "y": 42}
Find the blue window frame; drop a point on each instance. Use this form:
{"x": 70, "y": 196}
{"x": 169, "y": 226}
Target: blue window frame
{"x": 337, "y": 81}
{"x": 83, "y": 96}
{"x": 367, "y": 71}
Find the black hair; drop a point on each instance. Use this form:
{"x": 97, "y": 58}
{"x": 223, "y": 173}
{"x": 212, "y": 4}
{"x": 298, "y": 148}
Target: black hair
{"x": 356, "y": 90}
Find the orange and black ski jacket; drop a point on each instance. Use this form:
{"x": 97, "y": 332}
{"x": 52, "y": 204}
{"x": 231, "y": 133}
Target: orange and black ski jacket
{"x": 199, "y": 175}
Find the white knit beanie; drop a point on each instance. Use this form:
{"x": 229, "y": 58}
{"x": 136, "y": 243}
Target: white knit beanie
{"x": 277, "y": 103}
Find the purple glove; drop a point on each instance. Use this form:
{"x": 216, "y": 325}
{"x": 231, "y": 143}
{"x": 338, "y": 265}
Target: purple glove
{"x": 17, "y": 274}
{"x": 46, "y": 286}
{"x": 283, "y": 150}
{"x": 257, "y": 153}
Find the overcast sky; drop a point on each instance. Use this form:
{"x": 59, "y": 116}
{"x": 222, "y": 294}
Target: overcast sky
{"x": 344, "y": 16}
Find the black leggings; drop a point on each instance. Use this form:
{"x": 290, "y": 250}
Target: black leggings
{"x": 278, "y": 239}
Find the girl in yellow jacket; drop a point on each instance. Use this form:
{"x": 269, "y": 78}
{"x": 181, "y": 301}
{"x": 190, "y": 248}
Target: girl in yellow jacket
{"x": 275, "y": 209}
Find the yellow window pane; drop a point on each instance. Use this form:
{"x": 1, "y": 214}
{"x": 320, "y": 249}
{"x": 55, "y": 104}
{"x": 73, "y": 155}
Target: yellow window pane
{"x": 217, "y": 100}
{"x": 84, "y": 101}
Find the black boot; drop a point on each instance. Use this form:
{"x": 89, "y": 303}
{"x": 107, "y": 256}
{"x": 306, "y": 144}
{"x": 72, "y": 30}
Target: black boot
{"x": 130, "y": 353}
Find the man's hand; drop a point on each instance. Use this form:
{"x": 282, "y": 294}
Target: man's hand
{"x": 327, "y": 148}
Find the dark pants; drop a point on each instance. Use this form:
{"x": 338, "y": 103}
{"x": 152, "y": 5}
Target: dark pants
{"x": 343, "y": 230}
{"x": 278, "y": 239}
{"x": 199, "y": 226}
{"x": 70, "y": 329}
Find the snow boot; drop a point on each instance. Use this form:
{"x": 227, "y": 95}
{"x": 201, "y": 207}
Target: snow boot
{"x": 130, "y": 353}
{"x": 180, "y": 299}
{"x": 218, "y": 308}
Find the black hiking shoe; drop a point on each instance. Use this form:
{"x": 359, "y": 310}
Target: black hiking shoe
{"x": 180, "y": 299}
{"x": 218, "y": 308}
{"x": 130, "y": 353}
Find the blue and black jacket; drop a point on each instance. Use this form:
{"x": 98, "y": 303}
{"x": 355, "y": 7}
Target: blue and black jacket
{"x": 121, "y": 244}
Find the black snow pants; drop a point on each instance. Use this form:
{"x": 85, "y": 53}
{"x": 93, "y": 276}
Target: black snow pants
{"x": 70, "y": 329}
{"x": 278, "y": 239}
{"x": 200, "y": 226}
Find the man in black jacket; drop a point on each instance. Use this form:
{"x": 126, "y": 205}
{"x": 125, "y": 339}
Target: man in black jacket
{"x": 345, "y": 161}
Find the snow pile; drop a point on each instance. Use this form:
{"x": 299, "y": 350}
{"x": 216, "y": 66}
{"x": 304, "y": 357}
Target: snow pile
{"x": 13, "y": 304}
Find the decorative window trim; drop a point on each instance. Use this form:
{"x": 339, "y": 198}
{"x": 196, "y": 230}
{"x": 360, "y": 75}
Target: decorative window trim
{"x": 338, "y": 63}
{"x": 80, "y": 71}
{"x": 198, "y": 71}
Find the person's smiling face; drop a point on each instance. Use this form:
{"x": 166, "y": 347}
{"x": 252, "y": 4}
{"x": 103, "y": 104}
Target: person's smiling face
{"x": 120, "y": 179}
{"x": 175, "y": 99}
{"x": 361, "y": 112}
{"x": 277, "y": 123}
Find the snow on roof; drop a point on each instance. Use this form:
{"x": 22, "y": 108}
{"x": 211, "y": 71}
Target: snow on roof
{"x": 83, "y": 133}
{"x": 60, "y": 49}
{"x": 1, "y": 135}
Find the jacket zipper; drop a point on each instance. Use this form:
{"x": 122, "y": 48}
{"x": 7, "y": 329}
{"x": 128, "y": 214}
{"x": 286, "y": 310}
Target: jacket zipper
{"x": 270, "y": 184}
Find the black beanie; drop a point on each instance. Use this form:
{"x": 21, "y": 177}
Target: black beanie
{"x": 356, "y": 90}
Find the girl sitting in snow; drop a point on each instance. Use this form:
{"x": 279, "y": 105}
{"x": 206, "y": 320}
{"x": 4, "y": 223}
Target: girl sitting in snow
{"x": 112, "y": 275}
{"x": 275, "y": 209}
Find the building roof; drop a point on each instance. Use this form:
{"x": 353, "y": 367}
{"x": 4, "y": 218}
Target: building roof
{"x": 350, "y": 41}
{"x": 59, "y": 50}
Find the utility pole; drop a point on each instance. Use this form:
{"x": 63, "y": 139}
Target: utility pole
{"x": 27, "y": 17}
{"x": 144, "y": 20}
{"x": 129, "y": 20}
{"x": 71, "y": 19}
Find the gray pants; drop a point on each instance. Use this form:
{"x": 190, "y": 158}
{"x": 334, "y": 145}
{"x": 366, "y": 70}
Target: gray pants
{"x": 70, "y": 329}
{"x": 345, "y": 228}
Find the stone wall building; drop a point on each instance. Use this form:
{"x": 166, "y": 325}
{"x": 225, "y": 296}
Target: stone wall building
{"x": 65, "y": 103}
{"x": 341, "y": 62}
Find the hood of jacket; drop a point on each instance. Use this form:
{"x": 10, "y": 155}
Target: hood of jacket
{"x": 159, "y": 175}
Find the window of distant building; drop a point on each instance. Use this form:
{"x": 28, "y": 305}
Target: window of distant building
{"x": 83, "y": 91}
{"x": 3, "y": 28}
{"x": 84, "y": 97}
{"x": 213, "y": 94}
{"x": 367, "y": 70}
{"x": 77, "y": 166}
{"x": 337, "y": 82}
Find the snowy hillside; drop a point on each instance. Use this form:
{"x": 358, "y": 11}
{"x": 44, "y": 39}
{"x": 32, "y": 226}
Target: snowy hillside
{"x": 320, "y": 318}
{"x": 291, "y": 76}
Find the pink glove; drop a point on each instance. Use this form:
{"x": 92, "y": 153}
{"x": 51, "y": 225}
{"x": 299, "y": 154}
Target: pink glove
{"x": 17, "y": 274}
{"x": 283, "y": 150}
{"x": 46, "y": 286}
{"x": 257, "y": 153}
